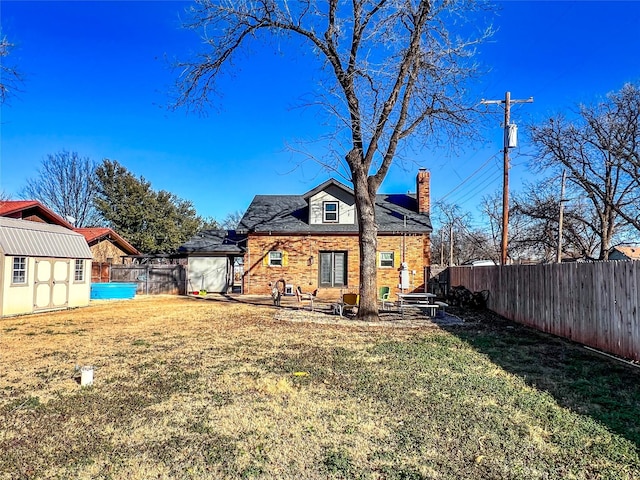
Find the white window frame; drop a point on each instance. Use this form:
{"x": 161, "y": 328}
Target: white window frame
{"x": 19, "y": 271}
{"x": 384, "y": 262}
{"x": 326, "y": 213}
{"x": 78, "y": 271}
{"x": 276, "y": 258}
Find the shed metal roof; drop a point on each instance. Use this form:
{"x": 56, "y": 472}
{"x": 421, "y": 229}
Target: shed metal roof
{"x": 35, "y": 239}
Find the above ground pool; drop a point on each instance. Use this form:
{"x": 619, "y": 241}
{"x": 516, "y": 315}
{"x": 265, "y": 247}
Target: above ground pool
{"x": 106, "y": 291}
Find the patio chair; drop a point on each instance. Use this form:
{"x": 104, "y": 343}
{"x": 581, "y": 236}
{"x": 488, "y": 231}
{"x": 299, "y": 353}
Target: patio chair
{"x": 383, "y": 296}
{"x": 304, "y": 297}
{"x": 348, "y": 303}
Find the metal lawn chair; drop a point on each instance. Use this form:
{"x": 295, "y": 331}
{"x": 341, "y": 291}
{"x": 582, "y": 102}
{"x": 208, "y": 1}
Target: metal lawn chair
{"x": 304, "y": 297}
{"x": 383, "y": 296}
{"x": 348, "y": 303}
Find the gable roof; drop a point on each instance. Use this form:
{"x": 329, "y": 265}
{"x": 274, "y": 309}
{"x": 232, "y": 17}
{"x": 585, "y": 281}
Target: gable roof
{"x": 96, "y": 234}
{"x": 290, "y": 214}
{"x": 324, "y": 186}
{"x": 35, "y": 239}
{"x": 21, "y": 208}
{"x": 10, "y": 206}
{"x": 222, "y": 242}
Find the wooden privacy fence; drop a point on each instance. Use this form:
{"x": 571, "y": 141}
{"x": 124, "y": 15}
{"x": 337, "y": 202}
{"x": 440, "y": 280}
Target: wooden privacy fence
{"x": 153, "y": 279}
{"x": 100, "y": 272}
{"x": 595, "y": 304}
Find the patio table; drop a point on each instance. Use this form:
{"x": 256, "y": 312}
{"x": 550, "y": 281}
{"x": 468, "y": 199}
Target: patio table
{"x": 423, "y": 301}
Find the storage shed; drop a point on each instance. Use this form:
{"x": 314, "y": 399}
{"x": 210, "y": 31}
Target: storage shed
{"x": 42, "y": 267}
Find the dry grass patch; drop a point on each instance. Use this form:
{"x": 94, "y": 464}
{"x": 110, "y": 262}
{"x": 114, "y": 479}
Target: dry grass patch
{"x": 188, "y": 388}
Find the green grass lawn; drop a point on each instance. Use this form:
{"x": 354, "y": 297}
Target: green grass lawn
{"x": 197, "y": 389}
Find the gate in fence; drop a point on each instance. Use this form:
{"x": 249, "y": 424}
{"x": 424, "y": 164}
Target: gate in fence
{"x": 153, "y": 279}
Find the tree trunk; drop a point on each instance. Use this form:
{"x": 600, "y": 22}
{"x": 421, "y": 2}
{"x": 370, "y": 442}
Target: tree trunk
{"x": 365, "y": 210}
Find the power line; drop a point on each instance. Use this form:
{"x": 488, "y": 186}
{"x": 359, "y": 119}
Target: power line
{"x": 468, "y": 178}
{"x": 480, "y": 188}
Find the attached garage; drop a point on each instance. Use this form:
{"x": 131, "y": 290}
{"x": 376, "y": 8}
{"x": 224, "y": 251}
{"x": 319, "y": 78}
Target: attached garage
{"x": 214, "y": 261}
{"x": 42, "y": 267}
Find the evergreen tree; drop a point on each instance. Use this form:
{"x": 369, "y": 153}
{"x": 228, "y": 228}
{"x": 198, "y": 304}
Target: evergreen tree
{"x": 154, "y": 222}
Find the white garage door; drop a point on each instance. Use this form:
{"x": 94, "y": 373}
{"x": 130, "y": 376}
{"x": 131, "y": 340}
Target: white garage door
{"x": 208, "y": 273}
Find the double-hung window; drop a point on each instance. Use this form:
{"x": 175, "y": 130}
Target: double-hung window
{"x": 19, "y": 272}
{"x": 330, "y": 212}
{"x": 333, "y": 269}
{"x": 385, "y": 260}
{"x": 275, "y": 258}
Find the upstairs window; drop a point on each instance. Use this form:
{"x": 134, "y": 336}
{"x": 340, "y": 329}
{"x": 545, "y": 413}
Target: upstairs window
{"x": 330, "y": 212}
{"x": 19, "y": 272}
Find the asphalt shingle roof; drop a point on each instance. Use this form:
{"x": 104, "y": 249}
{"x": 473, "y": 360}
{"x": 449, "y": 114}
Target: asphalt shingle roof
{"x": 221, "y": 242}
{"x": 290, "y": 213}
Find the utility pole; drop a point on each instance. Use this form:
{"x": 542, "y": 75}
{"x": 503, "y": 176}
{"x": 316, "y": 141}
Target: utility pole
{"x": 510, "y": 141}
{"x": 561, "y": 216}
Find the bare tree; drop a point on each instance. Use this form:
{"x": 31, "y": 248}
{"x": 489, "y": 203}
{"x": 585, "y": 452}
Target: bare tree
{"x": 600, "y": 152}
{"x": 391, "y": 69}
{"x": 66, "y": 184}
{"x": 10, "y": 78}
{"x": 536, "y": 211}
{"x": 232, "y": 220}
{"x": 491, "y": 206}
{"x": 457, "y": 238}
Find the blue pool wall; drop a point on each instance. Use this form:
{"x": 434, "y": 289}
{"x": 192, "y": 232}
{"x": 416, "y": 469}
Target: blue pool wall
{"x": 113, "y": 290}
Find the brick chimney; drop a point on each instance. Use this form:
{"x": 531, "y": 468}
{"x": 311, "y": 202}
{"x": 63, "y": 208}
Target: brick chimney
{"x": 423, "y": 194}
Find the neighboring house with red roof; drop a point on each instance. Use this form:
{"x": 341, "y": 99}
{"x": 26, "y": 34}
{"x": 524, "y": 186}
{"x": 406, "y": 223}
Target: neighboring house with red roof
{"x": 106, "y": 245}
{"x": 33, "y": 211}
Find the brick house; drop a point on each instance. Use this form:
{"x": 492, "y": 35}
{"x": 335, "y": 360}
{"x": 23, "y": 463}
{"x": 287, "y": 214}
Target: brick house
{"x": 311, "y": 240}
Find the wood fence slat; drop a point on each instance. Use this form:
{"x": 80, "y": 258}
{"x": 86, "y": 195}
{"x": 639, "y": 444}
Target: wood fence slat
{"x": 633, "y": 313}
{"x": 596, "y": 303}
{"x": 152, "y": 279}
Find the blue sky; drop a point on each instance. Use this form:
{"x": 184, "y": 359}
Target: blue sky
{"x": 98, "y": 81}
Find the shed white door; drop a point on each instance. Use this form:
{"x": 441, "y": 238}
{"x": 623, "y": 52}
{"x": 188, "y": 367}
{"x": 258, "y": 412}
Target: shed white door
{"x": 51, "y": 288}
{"x": 208, "y": 273}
